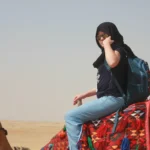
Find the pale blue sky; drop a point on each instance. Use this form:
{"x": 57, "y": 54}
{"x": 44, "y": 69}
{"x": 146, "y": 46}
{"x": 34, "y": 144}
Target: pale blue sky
{"x": 47, "y": 49}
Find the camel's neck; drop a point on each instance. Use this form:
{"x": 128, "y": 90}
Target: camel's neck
{"x": 4, "y": 145}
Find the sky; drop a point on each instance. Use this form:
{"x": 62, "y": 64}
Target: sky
{"x": 47, "y": 49}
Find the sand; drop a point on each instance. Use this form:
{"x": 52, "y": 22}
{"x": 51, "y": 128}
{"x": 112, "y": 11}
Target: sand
{"x": 31, "y": 134}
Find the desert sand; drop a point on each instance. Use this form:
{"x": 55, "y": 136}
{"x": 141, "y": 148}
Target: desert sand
{"x": 33, "y": 135}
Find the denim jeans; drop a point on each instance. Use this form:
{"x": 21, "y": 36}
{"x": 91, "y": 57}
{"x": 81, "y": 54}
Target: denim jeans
{"x": 87, "y": 112}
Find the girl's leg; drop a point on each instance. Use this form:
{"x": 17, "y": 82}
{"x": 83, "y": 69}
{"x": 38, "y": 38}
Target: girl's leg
{"x": 89, "y": 111}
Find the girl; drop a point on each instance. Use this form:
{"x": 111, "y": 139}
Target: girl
{"x": 109, "y": 99}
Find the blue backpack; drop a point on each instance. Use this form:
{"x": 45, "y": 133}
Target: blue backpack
{"x": 138, "y": 86}
{"x": 138, "y": 83}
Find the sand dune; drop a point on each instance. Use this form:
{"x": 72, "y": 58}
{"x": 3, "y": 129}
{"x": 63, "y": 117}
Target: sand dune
{"x": 30, "y": 134}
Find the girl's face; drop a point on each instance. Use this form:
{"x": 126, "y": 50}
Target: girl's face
{"x": 101, "y": 37}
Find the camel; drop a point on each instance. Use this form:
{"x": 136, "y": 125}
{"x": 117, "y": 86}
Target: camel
{"x": 4, "y": 143}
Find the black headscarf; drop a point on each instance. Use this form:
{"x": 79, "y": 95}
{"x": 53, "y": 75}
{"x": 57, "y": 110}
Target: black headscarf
{"x": 110, "y": 29}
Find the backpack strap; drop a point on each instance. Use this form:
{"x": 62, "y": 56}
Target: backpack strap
{"x": 116, "y": 121}
{"x": 116, "y": 82}
{"x": 122, "y": 93}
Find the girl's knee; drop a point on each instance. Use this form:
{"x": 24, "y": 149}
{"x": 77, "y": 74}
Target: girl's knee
{"x": 68, "y": 116}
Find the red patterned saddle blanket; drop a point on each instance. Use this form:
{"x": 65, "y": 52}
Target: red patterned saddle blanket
{"x": 132, "y": 132}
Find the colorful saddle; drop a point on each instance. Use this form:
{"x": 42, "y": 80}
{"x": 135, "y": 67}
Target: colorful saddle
{"x": 132, "y": 132}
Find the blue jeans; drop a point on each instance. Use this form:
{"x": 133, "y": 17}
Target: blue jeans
{"x": 87, "y": 112}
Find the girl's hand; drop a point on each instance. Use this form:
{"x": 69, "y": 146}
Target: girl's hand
{"x": 108, "y": 41}
{"x": 77, "y": 98}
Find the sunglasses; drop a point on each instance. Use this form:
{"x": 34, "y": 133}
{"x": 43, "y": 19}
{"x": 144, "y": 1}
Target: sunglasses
{"x": 103, "y": 36}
